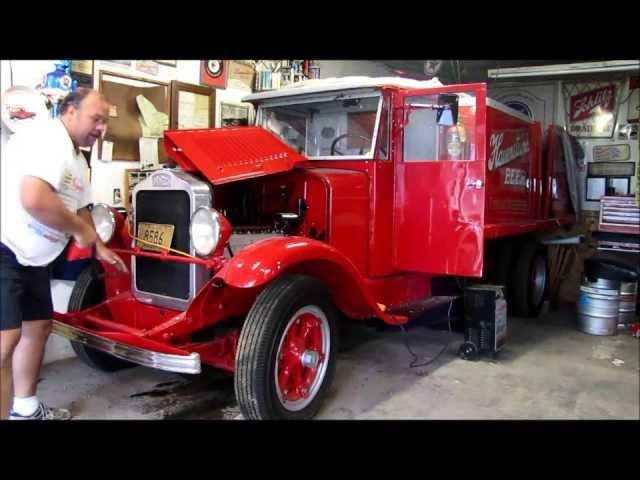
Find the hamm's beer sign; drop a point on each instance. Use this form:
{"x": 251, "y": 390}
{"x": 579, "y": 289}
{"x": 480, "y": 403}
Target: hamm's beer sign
{"x": 506, "y": 146}
{"x": 592, "y": 113}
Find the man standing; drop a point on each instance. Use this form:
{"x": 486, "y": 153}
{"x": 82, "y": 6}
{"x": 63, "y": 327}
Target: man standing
{"x": 45, "y": 194}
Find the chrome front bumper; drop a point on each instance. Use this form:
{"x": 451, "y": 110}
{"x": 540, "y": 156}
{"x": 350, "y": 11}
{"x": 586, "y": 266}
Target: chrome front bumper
{"x": 148, "y": 358}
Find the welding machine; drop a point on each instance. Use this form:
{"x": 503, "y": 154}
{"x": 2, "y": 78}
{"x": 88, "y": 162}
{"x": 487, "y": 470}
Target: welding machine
{"x": 485, "y": 321}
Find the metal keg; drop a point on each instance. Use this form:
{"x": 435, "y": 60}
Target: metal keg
{"x": 627, "y": 309}
{"x": 603, "y": 283}
{"x": 598, "y": 307}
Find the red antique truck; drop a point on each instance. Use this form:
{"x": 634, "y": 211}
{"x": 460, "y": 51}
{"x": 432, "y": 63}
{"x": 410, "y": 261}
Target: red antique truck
{"x": 345, "y": 201}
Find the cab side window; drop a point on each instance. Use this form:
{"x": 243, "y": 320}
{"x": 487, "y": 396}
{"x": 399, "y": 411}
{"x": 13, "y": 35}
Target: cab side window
{"x": 427, "y": 141}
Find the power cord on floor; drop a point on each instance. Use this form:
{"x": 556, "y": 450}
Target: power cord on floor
{"x": 413, "y": 364}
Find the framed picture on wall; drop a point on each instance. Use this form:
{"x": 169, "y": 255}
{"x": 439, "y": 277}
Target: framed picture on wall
{"x": 82, "y": 72}
{"x": 596, "y": 188}
{"x": 234, "y": 115}
{"x": 84, "y": 67}
{"x": 214, "y": 73}
{"x": 192, "y": 106}
{"x": 241, "y": 75}
{"x": 122, "y": 63}
{"x": 620, "y": 185}
{"x": 124, "y": 127}
{"x": 149, "y": 67}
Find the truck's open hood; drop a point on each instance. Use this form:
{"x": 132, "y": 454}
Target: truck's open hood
{"x": 228, "y": 154}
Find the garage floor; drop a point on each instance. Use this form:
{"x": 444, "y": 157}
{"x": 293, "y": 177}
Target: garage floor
{"x": 547, "y": 370}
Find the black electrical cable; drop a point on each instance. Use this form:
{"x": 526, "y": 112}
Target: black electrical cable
{"x": 413, "y": 364}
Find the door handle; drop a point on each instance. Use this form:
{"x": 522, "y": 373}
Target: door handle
{"x": 474, "y": 183}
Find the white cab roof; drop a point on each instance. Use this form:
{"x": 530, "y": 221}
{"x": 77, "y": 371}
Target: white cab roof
{"x": 341, "y": 83}
{"x": 347, "y": 83}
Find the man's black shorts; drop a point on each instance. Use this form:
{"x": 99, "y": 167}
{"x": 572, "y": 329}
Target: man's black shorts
{"x": 25, "y": 292}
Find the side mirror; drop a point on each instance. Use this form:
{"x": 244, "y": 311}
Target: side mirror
{"x": 447, "y": 112}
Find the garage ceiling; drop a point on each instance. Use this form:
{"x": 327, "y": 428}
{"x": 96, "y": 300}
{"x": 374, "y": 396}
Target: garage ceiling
{"x": 465, "y": 71}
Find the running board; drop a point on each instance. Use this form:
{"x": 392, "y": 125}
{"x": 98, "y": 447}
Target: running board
{"x": 415, "y": 309}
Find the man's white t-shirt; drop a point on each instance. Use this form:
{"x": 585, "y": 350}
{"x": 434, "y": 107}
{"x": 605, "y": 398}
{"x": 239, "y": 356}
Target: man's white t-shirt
{"x": 43, "y": 150}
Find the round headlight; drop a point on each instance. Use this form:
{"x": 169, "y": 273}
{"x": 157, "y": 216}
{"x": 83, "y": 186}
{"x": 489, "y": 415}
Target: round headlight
{"x": 205, "y": 230}
{"x": 104, "y": 220}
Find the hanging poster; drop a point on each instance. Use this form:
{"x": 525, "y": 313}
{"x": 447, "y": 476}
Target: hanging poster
{"x": 592, "y": 114}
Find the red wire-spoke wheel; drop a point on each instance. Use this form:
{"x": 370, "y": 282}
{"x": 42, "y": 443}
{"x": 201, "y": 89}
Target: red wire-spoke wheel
{"x": 301, "y": 361}
{"x": 286, "y": 351}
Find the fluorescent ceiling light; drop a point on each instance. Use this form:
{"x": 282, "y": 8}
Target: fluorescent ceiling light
{"x": 566, "y": 69}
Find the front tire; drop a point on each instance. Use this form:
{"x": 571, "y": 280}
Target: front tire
{"x": 88, "y": 291}
{"x": 287, "y": 351}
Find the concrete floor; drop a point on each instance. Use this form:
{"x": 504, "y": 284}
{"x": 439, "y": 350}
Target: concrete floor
{"x": 547, "y": 370}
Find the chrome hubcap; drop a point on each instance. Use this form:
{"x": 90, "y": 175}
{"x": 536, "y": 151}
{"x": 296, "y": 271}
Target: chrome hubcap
{"x": 310, "y": 359}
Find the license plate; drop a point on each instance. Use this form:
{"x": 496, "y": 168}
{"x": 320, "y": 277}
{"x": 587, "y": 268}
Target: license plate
{"x": 156, "y": 233}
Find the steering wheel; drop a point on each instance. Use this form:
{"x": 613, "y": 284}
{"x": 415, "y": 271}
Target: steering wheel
{"x": 334, "y": 150}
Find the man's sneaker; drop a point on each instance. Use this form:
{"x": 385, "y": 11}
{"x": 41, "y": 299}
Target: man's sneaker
{"x": 43, "y": 413}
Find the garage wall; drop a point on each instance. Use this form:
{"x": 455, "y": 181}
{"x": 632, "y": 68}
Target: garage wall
{"x": 105, "y": 176}
{"x": 548, "y": 105}
{"x": 538, "y": 99}
{"x": 588, "y": 144}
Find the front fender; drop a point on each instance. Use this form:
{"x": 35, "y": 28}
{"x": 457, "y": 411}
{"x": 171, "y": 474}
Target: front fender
{"x": 262, "y": 262}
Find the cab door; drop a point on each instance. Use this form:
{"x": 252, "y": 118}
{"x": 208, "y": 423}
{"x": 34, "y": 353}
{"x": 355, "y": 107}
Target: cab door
{"x": 439, "y": 195}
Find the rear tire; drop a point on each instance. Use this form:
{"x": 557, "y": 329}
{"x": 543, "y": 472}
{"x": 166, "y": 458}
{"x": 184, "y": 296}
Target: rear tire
{"x": 286, "y": 354}
{"x": 530, "y": 280}
{"x": 88, "y": 291}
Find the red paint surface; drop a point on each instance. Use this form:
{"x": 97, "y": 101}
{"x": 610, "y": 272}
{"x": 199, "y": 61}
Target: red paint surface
{"x": 230, "y": 154}
{"x": 438, "y": 219}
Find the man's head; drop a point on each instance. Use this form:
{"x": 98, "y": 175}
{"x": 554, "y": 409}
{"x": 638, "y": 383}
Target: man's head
{"x": 84, "y": 112}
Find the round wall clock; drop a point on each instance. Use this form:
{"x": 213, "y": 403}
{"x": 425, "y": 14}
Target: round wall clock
{"x": 214, "y": 67}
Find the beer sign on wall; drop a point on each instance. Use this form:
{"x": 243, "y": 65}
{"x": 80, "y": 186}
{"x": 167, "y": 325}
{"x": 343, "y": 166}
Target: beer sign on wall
{"x": 592, "y": 114}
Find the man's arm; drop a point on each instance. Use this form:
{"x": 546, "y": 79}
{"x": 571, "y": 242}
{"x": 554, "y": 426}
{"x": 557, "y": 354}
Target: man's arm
{"x": 102, "y": 251}
{"x": 39, "y": 199}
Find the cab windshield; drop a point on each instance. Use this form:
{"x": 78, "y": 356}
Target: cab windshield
{"x": 341, "y": 127}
